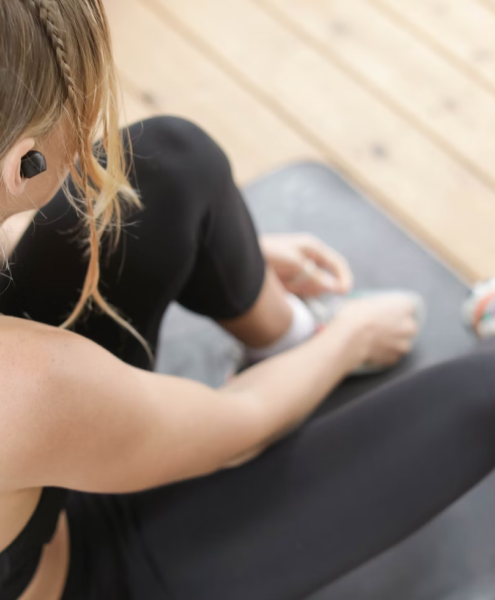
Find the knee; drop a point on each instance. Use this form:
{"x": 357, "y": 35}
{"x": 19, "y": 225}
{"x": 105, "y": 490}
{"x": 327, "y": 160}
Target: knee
{"x": 182, "y": 151}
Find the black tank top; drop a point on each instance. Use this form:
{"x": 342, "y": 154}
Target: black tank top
{"x": 18, "y": 562}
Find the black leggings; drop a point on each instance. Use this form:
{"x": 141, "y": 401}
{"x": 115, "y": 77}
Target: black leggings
{"x": 345, "y": 487}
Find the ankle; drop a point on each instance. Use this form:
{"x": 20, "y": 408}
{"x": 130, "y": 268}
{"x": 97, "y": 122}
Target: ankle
{"x": 268, "y": 320}
{"x": 302, "y": 326}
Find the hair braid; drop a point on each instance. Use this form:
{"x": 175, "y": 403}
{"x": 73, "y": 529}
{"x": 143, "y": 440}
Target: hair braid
{"x": 45, "y": 12}
{"x": 50, "y": 17}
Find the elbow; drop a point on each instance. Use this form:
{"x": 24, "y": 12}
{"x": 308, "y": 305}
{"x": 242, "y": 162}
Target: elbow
{"x": 244, "y": 458}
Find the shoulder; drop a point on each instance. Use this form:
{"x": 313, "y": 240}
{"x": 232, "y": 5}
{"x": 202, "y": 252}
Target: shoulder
{"x": 26, "y": 349}
{"x": 32, "y": 359}
{"x": 29, "y": 354}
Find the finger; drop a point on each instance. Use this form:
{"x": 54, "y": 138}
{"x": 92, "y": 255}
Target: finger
{"x": 329, "y": 259}
{"x": 305, "y": 289}
{"x": 386, "y": 359}
{"x": 323, "y": 281}
{"x": 313, "y": 281}
{"x": 410, "y": 329}
{"x": 405, "y": 346}
{"x": 306, "y": 270}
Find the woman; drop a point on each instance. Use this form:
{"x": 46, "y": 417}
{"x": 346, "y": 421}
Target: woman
{"x": 81, "y": 410}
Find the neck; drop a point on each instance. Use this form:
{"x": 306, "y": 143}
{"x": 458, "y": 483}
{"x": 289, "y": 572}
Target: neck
{"x": 12, "y": 229}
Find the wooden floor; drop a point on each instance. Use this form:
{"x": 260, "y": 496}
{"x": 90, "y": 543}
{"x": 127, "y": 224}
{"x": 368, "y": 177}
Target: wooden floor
{"x": 399, "y": 95}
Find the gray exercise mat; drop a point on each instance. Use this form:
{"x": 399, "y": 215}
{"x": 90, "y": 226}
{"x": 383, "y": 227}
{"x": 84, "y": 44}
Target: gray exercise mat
{"x": 453, "y": 557}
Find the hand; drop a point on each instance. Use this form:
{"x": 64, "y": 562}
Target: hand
{"x": 305, "y": 265}
{"x": 387, "y": 327}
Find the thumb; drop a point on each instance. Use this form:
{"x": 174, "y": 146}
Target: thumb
{"x": 324, "y": 279}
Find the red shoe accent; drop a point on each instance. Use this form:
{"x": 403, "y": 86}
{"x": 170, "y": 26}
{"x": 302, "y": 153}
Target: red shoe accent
{"x": 480, "y": 310}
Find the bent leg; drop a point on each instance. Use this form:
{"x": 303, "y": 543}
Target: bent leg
{"x": 194, "y": 242}
{"x": 343, "y": 489}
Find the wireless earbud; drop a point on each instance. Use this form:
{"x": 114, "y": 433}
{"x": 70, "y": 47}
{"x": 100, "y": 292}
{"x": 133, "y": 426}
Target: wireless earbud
{"x": 33, "y": 164}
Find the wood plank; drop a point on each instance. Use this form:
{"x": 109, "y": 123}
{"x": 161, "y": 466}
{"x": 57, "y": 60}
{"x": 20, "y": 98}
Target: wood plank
{"x": 407, "y": 75}
{"x": 462, "y": 30}
{"x": 175, "y": 78}
{"x": 133, "y": 106}
{"x": 406, "y": 172}
{"x": 490, "y": 4}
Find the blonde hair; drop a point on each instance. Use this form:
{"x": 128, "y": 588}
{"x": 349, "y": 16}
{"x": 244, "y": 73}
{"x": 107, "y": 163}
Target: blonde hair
{"x": 56, "y": 61}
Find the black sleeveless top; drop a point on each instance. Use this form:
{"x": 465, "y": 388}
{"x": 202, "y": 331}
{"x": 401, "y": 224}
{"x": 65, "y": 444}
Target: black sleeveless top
{"x": 18, "y": 562}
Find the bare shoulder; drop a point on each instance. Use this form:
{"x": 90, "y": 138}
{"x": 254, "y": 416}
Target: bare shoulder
{"x": 29, "y": 352}
{"x": 22, "y": 359}
{"x": 58, "y": 388}
{"x": 31, "y": 358}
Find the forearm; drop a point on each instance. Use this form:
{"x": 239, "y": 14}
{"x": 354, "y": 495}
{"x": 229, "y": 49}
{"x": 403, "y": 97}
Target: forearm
{"x": 291, "y": 386}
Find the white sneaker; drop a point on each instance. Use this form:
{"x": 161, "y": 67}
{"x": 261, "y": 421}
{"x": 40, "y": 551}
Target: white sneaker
{"x": 478, "y": 312}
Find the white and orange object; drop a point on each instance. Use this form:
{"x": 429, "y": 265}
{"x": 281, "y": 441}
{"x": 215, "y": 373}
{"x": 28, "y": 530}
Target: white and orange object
{"x": 478, "y": 311}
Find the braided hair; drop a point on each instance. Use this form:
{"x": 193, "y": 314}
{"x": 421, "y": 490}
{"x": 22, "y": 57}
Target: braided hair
{"x": 46, "y": 10}
{"x": 48, "y": 14}
{"x": 78, "y": 80}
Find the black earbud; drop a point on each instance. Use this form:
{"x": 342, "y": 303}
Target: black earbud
{"x": 33, "y": 164}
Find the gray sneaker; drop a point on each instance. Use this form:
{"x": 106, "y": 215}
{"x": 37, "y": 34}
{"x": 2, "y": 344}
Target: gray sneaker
{"x": 326, "y": 307}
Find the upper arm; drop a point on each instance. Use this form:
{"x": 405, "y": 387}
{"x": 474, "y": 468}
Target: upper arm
{"x": 75, "y": 416}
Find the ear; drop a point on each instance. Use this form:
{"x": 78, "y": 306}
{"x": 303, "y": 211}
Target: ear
{"x": 11, "y": 171}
